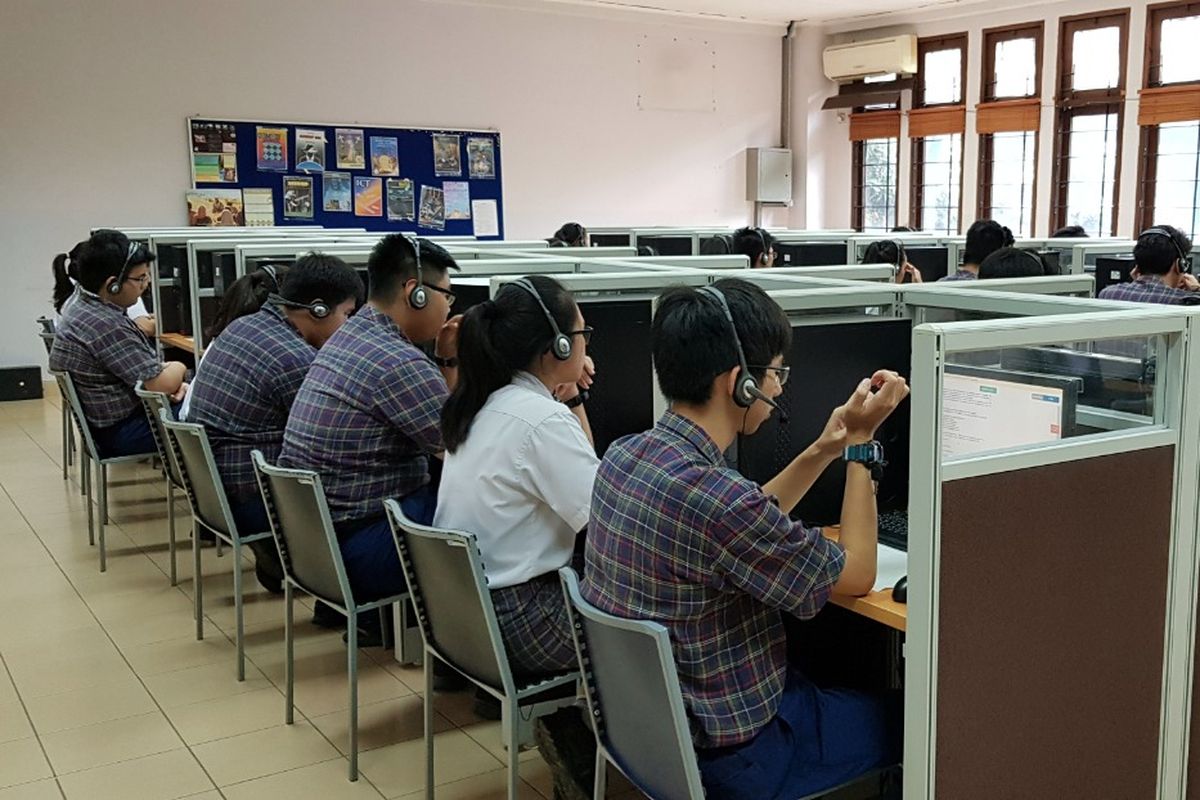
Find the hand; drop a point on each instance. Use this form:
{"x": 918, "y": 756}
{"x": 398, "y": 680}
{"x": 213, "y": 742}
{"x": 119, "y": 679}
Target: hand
{"x": 866, "y": 410}
{"x": 446, "y": 345}
{"x": 180, "y": 393}
{"x": 1189, "y": 283}
{"x": 147, "y": 324}
{"x": 569, "y": 391}
{"x": 913, "y": 274}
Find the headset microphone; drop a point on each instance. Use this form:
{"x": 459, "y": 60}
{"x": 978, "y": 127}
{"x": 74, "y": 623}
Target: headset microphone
{"x": 758, "y": 394}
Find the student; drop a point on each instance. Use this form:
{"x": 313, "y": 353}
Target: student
{"x": 757, "y": 245}
{"x": 983, "y": 238}
{"x": 105, "y": 353}
{"x": 1011, "y": 262}
{"x": 1070, "y": 232}
{"x": 368, "y": 415}
{"x": 1162, "y": 271}
{"x": 571, "y": 234}
{"x": 678, "y": 538}
{"x": 891, "y": 251}
{"x": 251, "y": 375}
{"x": 65, "y": 267}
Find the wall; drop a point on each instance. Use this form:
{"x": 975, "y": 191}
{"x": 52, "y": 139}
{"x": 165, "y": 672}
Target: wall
{"x": 828, "y": 137}
{"x": 94, "y": 98}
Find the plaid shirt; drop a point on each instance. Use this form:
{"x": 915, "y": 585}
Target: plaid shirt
{"x": 678, "y": 538}
{"x": 960, "y": 275}
{"x": 1150, "y": 289}
{"x": 106, "y": 355}
{"x": 244, "y": 391}
{"x": 367, "y": 415}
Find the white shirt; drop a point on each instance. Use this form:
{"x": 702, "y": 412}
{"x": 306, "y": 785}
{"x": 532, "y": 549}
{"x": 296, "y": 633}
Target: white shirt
{"x": 521, "y": 483}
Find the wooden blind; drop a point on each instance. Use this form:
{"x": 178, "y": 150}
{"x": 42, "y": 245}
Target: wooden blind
{"x": 1169, "y": 104}
{"x": 924, "y": 122}
{"x": 874, "y": 125}
{"x": 1003, "y": 116}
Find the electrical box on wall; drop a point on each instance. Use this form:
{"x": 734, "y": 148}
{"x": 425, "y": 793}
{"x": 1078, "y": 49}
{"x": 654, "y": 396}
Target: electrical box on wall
{"x": 769, "y": 175}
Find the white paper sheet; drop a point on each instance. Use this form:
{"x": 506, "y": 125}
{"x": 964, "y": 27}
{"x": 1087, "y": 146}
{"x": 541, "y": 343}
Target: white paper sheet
{"x": 890, "y": 566}
{"x": 487, "y": 221}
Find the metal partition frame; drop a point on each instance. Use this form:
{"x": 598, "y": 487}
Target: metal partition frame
{"x": 1180, "y": 390}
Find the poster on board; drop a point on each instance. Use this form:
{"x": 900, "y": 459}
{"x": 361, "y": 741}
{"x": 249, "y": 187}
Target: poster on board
{"x": 401, "y": 204}
{"x": 481, "y": 157}
{"x": 351, "y": 153}
{"x": 458, "y": 199}
{"x": 385, "y": 155}
{"x": 447, "y": 161}
{"x": 259, "y": 205}
{"x": 298, "y": 197}
{"x": 215, "y": 208}
{"x": 335, "y": 192}
{"x": 368, "y": 197}
{"x": 271, "y": 145}
{"x": 310, "y": 150}
{"x": 433, "y": 209}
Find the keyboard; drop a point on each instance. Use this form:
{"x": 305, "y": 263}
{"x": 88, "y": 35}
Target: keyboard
{"x": 893, "y": 529}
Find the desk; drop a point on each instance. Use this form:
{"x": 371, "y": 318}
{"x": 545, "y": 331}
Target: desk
{"x": 178, "y": 340}
{"x": 878, "y": 606}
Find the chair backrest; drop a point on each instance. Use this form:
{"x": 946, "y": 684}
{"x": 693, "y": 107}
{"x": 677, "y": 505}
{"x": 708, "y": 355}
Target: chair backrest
{"x": 198, "y": 470}
{"x": 48, "y": 325}
{"x": 66, "y": 388}
{"x": 634, "y": 697}
{"x": 303, "y": 530}
{"x": 448, "y": 589}
{"x": 47, "y": 340}
{"x": 154, "y": 403}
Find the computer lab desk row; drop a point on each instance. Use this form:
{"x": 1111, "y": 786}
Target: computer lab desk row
{"x": 877, "y": 606}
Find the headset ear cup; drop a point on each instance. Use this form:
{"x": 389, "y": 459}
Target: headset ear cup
{"x": 114, "y": 287}
{"x": 320, "y": 310}
{"x": 418, "y": 298}
{"x": 743, "y": 384}
{"x": 561, "y": 347}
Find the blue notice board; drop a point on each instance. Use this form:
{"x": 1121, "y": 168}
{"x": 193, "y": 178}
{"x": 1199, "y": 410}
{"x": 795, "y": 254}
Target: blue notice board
{"x": 384, "y": 176}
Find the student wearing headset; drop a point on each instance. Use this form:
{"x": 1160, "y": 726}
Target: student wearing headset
{"x": 1163, "y": 270}
{"x": 251, "y": 373}
{"x": 105, "y": 352}
{"x": 1011, "y": 262}
{"x": 678, "y": 538}
{"x": 757, "y": 245}
{"x": 65, "y": 268}
{"x": 891, "y": 251}
{"x": 368, "y": 415}
{"x": 572, "y": 234}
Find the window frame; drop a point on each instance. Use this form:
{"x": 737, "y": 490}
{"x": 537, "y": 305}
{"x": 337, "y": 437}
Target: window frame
{"x": 934, "y": 44}
{"x": 1070, "y": 103}
{"x": 857, "y": 187}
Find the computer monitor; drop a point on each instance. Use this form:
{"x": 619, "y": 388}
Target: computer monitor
{"x": 608, "y": 239}
{"x": 810, "y": 254}
{"x": 1111, "y": 270}
{"x": 622, "y": 399}
{"x": 171, "y": 260}
{"x": 994, "y": 409}
{"x": 828, "y": 361}
{"x": 469, "y": 291}
{"x": 931, "y": 262}
{"x": 1051, "y": 260}
{"x": 667, "y": 245}
{"x": 1115, "y": 382}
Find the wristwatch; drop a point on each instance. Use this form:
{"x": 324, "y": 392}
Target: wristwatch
{"x": 577, "y": 400}
{"x": 870, "y": 455}
{"x": 445, "y": 363}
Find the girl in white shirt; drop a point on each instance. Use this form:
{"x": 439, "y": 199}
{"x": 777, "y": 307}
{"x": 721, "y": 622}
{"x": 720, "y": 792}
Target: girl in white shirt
{"x": 520, "y": 462}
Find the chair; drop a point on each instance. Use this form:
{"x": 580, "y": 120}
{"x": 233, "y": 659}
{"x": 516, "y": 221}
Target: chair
{"x": 446, "y": 581}
{"x": 90, "y": 455}
{"x": 155, "y": 403}
{"x": 312, "y": 563}
{"x": 46, "y": 334}
{"x": 189, "y": 446}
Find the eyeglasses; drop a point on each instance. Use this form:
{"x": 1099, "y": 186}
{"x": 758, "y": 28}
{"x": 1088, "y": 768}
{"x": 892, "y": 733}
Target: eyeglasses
{"x": 449, "y": 295}
{"x": 141, "y": 280}
{"x": 781, "y": 373}
{"x": 586, "y": 333}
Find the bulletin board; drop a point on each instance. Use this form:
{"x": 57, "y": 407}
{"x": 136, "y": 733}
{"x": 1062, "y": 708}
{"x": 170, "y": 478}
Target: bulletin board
{"x": 424, "y": 180}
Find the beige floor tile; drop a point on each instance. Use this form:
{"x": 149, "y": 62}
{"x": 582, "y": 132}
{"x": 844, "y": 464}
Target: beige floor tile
{"x": 67, "y": 674}
{"x": 163, "y": 776}
{"x": 183, "y": 652}
{"x": 14, "y": 723}
{"x": 21, "y": 621}
{"x": 38, "y": 790}
{"x": 22, "y": 761}
{"x": 130, "y": 606}
{"x": 228, "y": 716}
{"x": 207, "y": 682}
{"x": 489, "y": 735}
{"x": 174, "y": 624}
{"x": 324, "y": 781}
{"x": 83, "y": 707}
{"x": 400, "y": 768}
{"x": 8, "y": 692}
{"x": 328, "y": 690}
{"x": 57, "y": 644}
{"x": 210, "y": 795}
{"x": 380, "y": 724}
{"x": 489, "y": 786}
{"x": 537, "y": 774}
{"x": 110, "y": 742}
{"x": 265, "y": 752}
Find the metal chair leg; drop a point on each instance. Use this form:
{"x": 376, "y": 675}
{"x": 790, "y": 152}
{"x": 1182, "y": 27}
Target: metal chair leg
{"x": 428, "y": 667}
{"x": 601, "y": 785}
{"x": 102, "y": 517}
{"x": 85, "y": 488}
{"x": 171, "y": 530}
{"x": 289, "y": 666}
{"x": 71, "y": 448}
{"x": 514, "y": 746}
{"x": 66, "y": 445}
{"x": 237, "y": 611}
{"x": 352, "y": 667}
{"x": 197, "y": 582}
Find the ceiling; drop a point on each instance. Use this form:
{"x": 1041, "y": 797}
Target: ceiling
{"x": 769, "y": 11}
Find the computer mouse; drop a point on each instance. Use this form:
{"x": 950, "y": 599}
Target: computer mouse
{"x": 900, "y": 590}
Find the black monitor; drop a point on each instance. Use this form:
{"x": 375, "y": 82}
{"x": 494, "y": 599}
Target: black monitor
{"x": 1071, "y": 387}
{"x": 810, "y": 254}
{"x": 667, "y": 245}
{"x": 931, "y": 262}
{"x": 1116, "y": 382}
{"x": 171, "y": 260}
{"x": 828, "y": 360}
{"x": 469, "y": 292}
{"x": 1111, "y": 270}
{"x": 609, "y": 239}
{"x": 622, "y": 399}
{"x": 1051, "y": 260}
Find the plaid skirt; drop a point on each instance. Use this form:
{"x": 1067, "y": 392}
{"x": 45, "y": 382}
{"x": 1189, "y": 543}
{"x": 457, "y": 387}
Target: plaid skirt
{"x": 535, "y": 626}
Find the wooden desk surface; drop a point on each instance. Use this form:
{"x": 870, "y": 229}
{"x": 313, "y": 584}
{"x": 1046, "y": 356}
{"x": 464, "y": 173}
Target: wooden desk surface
{"x": 178, "y": 340}
{"x": 878, "y": 606}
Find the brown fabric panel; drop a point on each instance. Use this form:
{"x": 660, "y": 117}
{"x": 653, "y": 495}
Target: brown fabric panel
{"x": 1008, "y": 115}
{"x": 935, "y": 121}
{"x": 874, "y": 125}
{"x": 1193, "y": 763}
{"x": 1051, "y": 625}
{"x": 1169, "y": 104}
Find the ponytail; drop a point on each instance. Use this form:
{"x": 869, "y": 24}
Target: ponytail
{"x": 66, "y": 271}
{"x": 246, "y": 296}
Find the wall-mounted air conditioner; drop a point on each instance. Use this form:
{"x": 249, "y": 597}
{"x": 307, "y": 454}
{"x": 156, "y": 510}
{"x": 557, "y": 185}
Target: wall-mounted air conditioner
{"x": 851, "y": 62}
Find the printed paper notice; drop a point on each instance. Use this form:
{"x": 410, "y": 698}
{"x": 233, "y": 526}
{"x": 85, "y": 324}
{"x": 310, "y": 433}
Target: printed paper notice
{"x": 981, "y": 415}
{"x": 487, "y": 221}
{"x": 259, "y": 207}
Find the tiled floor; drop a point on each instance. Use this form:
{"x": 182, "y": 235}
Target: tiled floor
{"x": 105, "y": 692}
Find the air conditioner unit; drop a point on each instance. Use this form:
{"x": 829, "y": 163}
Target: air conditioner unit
{"x": 850, "y": 62}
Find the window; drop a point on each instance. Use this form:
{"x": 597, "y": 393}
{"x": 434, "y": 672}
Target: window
{"x": 876, "y": 163}
{"x": 936, "y": 126}
{"x": 1008, "y": 119}
{"x": 1091, "y": 85}
{"x": 1169, "y": 116}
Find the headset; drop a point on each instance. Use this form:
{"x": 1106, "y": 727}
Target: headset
{"x": 418, "y": 298}
{"x": 1185, "y": 262}
{"x": 270, "y": 270}
{"x": 560, "y": 345}
{"x": 745, "y": 387}
{"x": 115, "y": 286}
{"x": 318, "y": 308}
{"x": 766, "y": 251}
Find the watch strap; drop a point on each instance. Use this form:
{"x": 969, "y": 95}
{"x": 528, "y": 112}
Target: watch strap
{"x": 445, "y": 363}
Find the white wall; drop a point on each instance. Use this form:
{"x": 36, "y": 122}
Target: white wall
{"x": 831, "y": 150}
{"x": 95, "y": 94}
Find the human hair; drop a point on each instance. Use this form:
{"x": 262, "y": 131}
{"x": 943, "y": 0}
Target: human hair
{"x": 245, "y": 296}
{"x": 1156, "y": 253}
{"x": 985, "y": 237}
{"x": 66, "y": 272}
{"x": 720, "y": 244}
{"x": 1012, "y": 262}
{"x": 885, "y": 251}
{"x": 1070, "y": 232}
{"x": 752, "y": 242}
{"x": 106, "y": 254}
{"x": 690, "y": 339}
{"x": 497, "y": 339}
{"x": 902, "y": 229}
{"x": 319, "y": 276}
{"x": 393, "y": 262}
{"x": 572, "y": 234}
